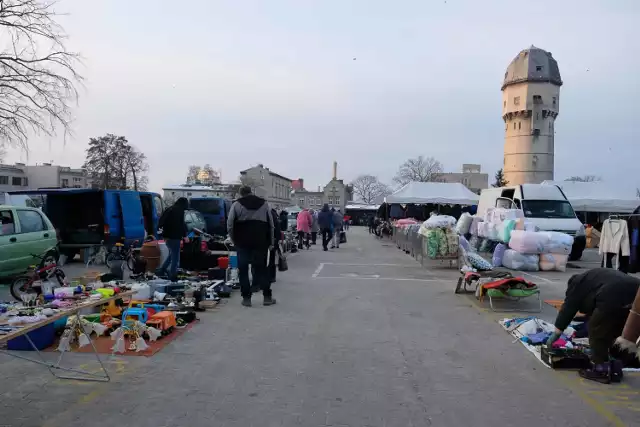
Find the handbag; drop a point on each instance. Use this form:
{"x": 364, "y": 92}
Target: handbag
{"x": 282, "y": 262}
{"x": 343, "y": 237}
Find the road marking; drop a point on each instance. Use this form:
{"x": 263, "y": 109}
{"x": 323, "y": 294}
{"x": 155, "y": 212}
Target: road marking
{"x": 318, "y": 270}
{"x": 374, "y": 265}
{"x": 544, "y": 279}
{"x": 395, "y": 279}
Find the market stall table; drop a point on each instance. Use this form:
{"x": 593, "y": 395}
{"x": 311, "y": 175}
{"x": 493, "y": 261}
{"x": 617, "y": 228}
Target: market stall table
{"x": 53, "y": 367}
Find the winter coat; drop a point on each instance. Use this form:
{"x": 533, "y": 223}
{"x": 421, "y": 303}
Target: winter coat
{"x": 172, "y": 220}
{"x": 304, "y": 222}
{"x": 314, "y": 225}
{"x": 325, "y": 218}
{"x": 284, "y": 220}
{"x": 277, "y": 231}
{"x": 250, "y": 224}
{"x": 606, "y": 289}
{"x": 337, "y": 220}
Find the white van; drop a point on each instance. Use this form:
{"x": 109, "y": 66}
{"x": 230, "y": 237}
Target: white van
{"x": 543, "y": 205}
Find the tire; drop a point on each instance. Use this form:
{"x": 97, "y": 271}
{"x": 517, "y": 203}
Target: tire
{"x": 19, "y": 283}
{"x": 112, "y": 257}
{"x": 50, "y": 257}
{"x": 131, "y": 261}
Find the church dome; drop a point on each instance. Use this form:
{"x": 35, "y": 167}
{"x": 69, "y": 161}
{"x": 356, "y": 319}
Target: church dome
{"x": 532, "y": 65}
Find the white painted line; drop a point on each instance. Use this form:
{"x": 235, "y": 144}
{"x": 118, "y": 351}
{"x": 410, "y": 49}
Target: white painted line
{"x": 374, "y": 265}
{"x": 544, "y": 279}
{"x": 318, "y": 270}
{"x": 395, "y": 279}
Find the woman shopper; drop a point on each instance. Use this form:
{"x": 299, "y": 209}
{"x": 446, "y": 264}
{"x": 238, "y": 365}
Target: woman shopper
{"x": 304, "y": 223}
{"x": 314, "y": 226}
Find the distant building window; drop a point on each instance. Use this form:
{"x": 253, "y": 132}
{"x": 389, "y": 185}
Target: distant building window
{"x": 519, "y": 125}
{"x": 330, "y": 200}
{"x": 554, "y": 101}
{"x": 505, "y": 104}
{"x": 337, "y": 200}
{"x": 4, "y": 180}
{"x": 537, "y": 116}
{"x": 76, "y": 179}
{"x": 537, "y": 99}
{"x": 550, "y": 124}
{"x": 536, "y": 132}
{"x": 301, "y": 202}
{"x": 538, "y": 67}
{"x": 516, "y": 100}
{"x": 514, "y": 125}
{"x": 16, "y": 180}
{"x": 188, "y": 194}
{"x": 65, "y": 183}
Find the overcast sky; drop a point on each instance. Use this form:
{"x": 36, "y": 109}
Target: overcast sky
{"x": 297, "y": 84}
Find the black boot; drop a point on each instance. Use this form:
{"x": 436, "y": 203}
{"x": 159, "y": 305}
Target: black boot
{"x": 246, "y": 301}
{"x": 616, "y": 371}
{"x": 598, "y": 373}
{"x": 255, "y": 289}
{"x": 269, "y": 300}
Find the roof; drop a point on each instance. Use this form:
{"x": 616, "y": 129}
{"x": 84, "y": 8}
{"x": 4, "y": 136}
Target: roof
{"x": 362, "y": 207}
{"x": 598, "y": 196}
{"x": 532, "y": 65}
{"x": 443, "y": 193}
{"x": 180, "y": 187}
{"x": 268, "y": 170}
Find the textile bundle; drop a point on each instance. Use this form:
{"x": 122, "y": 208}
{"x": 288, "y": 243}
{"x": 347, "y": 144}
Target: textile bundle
{"x": 520, "y": 261}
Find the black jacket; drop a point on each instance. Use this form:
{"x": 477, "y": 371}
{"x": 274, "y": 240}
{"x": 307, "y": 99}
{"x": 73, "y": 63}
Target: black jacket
{"x": 606, "y": 289}
{"x": 277, "y": 231}
{"x": 284, "y": 221}
{"x": 250, "y": 224}
{"x": 172, "y": 222}
{"x": 325, "y": 218}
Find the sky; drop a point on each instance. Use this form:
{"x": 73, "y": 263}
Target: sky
{"x": 297, "y": 84}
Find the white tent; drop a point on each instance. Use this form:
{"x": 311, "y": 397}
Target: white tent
{"x": 443, "y": 193}
{"x": 598, "y": 196}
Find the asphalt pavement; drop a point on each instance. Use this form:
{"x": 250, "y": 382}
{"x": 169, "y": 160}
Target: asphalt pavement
{"x": 362, "y": 335}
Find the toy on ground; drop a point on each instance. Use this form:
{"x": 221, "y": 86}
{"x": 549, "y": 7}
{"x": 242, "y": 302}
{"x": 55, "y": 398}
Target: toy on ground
{"x": 165, "y": 321}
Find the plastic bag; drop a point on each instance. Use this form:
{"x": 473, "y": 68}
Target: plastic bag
{"x": 464, "y": 223}
{"x": 518, "y": 261}
{"x": 474, "y": 243}
{"x": 485, "y": 246}
{"x": 498, "y": 253}
{"x": 432, "y": 244}
{"x": 557, "y": 243}
{"x": 499, "y": 215}
{"x": 528, "y": 242}
{"x": 505, "y": 229}
{"x": 464, "y": 244}
{"x": 443, "y": 247}
{"x": 440, "y": 221}
{"x": 452, "y": 242}
{"x": 553, "y": 262}
{"x": 473, "y": 230}
{"x": 478, "y": 262}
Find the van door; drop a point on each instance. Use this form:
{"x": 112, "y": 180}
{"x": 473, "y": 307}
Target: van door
{"x": 132, "y": 219}
{"x": 35, "y": 236}
{"x": 157, "y": 212}
{"x": 8, "y": 241}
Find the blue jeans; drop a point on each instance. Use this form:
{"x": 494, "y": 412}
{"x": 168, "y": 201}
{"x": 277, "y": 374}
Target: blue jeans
{"x": 257, "y": 258}
{"x": 174, "y": 258}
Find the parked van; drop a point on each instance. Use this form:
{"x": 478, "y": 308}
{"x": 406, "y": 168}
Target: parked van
{"x": 215, "y": 211}
{"x": 545, "y": 206}
{"x": 86, "y": 217}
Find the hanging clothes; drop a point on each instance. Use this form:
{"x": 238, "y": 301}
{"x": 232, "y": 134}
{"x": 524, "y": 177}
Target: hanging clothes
{"x": 615, "y": 241}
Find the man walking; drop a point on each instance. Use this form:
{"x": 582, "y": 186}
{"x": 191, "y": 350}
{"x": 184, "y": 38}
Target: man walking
{"x": 250, "y": 227}
{"x": 325, "y": 222}
{"x": 174, "y": 230}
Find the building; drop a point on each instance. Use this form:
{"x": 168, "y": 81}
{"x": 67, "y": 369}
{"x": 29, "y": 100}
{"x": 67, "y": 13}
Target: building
{"x": 25, "y": 177}
{"x": 471, "y": 177}
{"x": 275, "y": 188}
{"x": 530, "y": 105}
{"x": 336, "y": 193}
{"x": 172, "y": 193}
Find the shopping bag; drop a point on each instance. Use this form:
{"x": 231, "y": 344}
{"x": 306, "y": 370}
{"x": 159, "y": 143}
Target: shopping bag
{"x": 282, "y": 262}
{"x": 343, "y": 237}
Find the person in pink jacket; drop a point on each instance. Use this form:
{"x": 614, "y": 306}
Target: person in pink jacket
{"x": 305, "y": 220}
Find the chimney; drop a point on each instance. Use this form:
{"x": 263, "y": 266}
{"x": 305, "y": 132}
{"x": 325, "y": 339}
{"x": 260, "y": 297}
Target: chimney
{"x": 335, "y": 170}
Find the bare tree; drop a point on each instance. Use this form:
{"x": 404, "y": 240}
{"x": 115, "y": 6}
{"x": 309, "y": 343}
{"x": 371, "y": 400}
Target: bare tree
{"x": 37, "y": 73}
{"x": 419, "y": 169}
{"x": 137, "y": 167}
{"x": 112, "y": 163}
{"x": 584, "y": 178}
{"x": 369, "y": 188}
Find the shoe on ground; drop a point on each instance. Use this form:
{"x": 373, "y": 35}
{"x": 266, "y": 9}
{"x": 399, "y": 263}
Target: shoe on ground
{"x": 269, "y": 301}
{"x": 601, "y": 377}
{"x": 246, "y": 302}
{"x": 616, "y": 371}
{"x": 325, "y": 249}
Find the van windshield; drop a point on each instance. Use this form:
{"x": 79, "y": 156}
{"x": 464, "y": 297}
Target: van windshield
{"x": 206, "y": 206}
{"x": 547, "y": 209}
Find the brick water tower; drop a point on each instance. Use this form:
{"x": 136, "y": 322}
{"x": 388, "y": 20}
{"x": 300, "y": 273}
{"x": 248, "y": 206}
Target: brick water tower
{"x": 530, "y": 105}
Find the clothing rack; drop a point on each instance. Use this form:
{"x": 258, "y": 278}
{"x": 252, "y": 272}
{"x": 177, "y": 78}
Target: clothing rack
{"x": 623, "y": 216}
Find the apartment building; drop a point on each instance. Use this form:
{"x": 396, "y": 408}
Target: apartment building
{"x": 31, "y": 177}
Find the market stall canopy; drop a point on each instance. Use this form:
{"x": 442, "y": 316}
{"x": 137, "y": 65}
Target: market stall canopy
{"x": 442, "y": 193}
{"x": 598, "y": 196}
{"x": 362, "y": 207}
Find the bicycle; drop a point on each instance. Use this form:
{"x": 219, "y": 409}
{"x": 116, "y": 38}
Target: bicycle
{"x": 48, "y": 268}
{"x": 121, "y": 253}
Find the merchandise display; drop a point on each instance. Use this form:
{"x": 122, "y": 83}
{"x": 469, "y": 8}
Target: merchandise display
{"x": 515, "y": 260}
{"x": 464, "y": 223}
{"x": 498, "y": 254}
{"x": 553, "y": 262}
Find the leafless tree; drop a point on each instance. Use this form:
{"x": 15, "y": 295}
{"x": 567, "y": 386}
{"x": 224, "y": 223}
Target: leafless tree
{"x": 38, "y": 74}
{"x": 584, "y": 178}
{"x": 419, "y": 169}
{"x": 369, "y": 188}
{"x": 112, "y": 163}
{"x": 137, "y": 168}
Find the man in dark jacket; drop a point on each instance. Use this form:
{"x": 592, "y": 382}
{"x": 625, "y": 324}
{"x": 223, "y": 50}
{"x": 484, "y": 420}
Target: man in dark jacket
{"x": 251, "y": 229}
{"x": 276, "y": 239}
{"x": 325, "y": 222}
{"x": 174, "y": 231}
{"x": 605, "y": 296}
{"x": 284, "y": 220}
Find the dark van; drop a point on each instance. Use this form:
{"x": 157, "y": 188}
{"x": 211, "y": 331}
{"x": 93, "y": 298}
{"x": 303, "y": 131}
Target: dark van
{"x": 86, "y": 217}
{"x": 215, "y": 211}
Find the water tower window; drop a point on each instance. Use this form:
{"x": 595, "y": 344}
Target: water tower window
{"x": 537, "y": 116}
{"x": 538, "y": 67}
{"x": 519, "y": 125}
{"x": 514, "y": 125}
{"x": 537, "y": 99}
{"x": 516, "y": 100}
{"x": 505, "y": 104}
{"x": 554, "y": 101}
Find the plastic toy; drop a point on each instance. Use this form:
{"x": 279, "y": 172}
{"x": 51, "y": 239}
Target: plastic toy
{"x": 165, "y": 321}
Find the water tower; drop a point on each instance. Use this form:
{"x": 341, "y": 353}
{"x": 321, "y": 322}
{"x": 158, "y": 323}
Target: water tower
{"x": 530, "y": 105}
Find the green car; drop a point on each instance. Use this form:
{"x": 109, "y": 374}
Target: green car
{"x": 24, "y": 232}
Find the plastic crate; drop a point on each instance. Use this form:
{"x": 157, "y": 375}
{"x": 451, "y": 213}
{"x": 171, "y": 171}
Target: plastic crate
{"x": 42, "y": 338}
